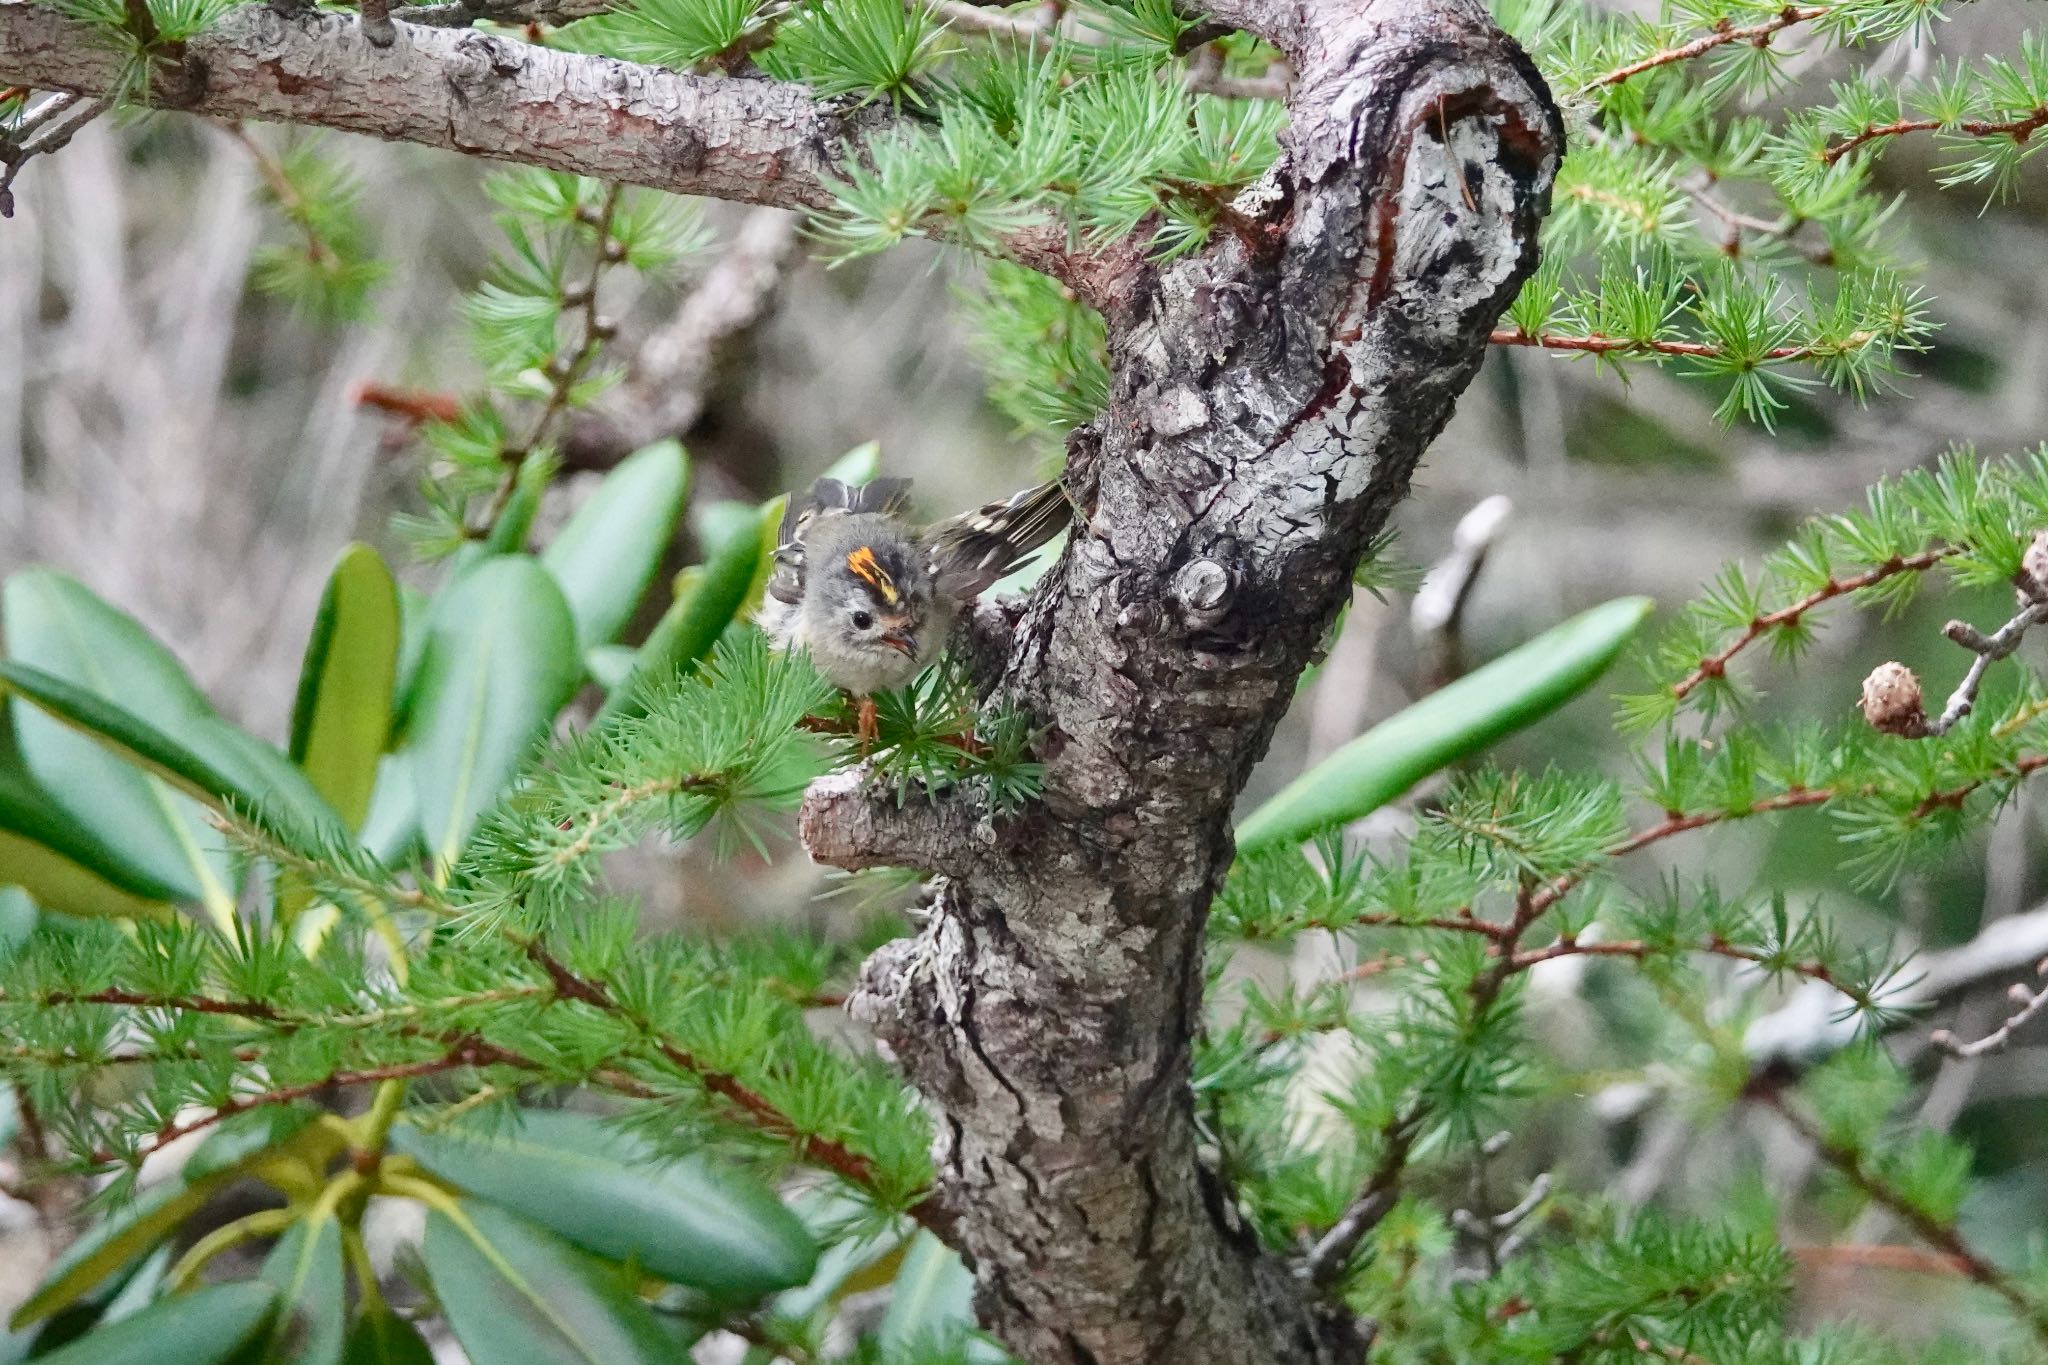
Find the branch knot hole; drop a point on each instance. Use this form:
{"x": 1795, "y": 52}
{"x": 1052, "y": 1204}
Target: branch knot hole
{"x": 1203, "y": 590}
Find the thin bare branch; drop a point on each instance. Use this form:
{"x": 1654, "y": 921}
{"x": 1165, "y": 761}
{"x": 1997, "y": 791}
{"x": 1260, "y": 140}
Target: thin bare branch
{"x": 468, "y": 1053}
{"x": 2031, "y": 1002}
{"x": 1989, "y": 649}
{"x": 45, "y": 129}
{"x": 669, "y": 375}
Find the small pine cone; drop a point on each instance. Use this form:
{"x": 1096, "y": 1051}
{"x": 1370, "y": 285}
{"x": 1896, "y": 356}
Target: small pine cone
{"x": 2032, "y": 578}
{"x": 1892, "y": 702}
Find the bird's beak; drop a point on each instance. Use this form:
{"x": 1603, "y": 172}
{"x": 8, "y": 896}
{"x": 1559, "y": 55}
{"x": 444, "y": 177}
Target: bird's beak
{"x": 899, "y": 640}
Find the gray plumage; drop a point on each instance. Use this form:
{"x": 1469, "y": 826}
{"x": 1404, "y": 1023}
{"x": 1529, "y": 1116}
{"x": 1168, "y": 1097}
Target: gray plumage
{"x": 873, "y": 598}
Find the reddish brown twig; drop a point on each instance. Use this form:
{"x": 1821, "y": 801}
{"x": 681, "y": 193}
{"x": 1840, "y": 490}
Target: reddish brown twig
{"x": 1542, "y": 898}
{"x": 2018, "y": 129}
{"x": 189, "y": 1004}
{"x": 564, "y": 372}
{"x": 763, "y": 1115}
{"x": 1539, "y": 901}
{"x": 467, "y": 1053}
{"x": 1724, "y": 33}
{"x": 1714, "y": 665}
{"x": 1531, "y": 903}
{"x": 289, "y": 200}
{"x": 415, "y": 405}
{"x": 1913, "y": 1260}
{"x": 1942, "y": 1236}
{"x": 1638, "y": 949}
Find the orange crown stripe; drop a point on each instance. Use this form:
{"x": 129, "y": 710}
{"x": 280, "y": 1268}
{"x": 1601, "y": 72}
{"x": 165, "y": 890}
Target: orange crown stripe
{"x": 862, "y": 562}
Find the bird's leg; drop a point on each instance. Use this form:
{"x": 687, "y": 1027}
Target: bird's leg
{"x": 866, "y": 727}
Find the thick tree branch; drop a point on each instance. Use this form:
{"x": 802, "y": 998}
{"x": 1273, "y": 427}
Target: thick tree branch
{"x": 759, "y": 142}
{"x": 849, "y": 823}
{"x": 751, "y": 141}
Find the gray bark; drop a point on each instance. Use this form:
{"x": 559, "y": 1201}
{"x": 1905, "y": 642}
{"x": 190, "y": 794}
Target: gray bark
{"x": 758, "y": 142}
{"x": 1268, "y": 409}
{"x": 1271, "y": 396}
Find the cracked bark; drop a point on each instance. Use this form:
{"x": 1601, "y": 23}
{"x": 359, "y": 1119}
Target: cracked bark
{"x": 1267, "y": 410}
{"x": 1270, "y": 398}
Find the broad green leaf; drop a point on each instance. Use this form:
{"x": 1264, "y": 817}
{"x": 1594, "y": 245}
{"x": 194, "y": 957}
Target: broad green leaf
{"x": 1516, "y": 690}
{"x": 205, "y": 758}
{"x": 715, "y": 524}
{"x": 695, "y": 620}
{"x": 715, "y": 1231}
{"x": 124, "y": 1236}
{"x": 119, "y": 1297}
{"x": 62, "y": 863}
{"x": 134, "y": 1228}
{"x": 205, "y": 1327}
{"x": 607, "y": 554}
{"x": 139, "y": 1289}
{"x": 415, "y": 610}
{"x": 849, "y": 1263}
{"x": 67, "y": 886}
{"x": 56, "y": 624}
{"x": 768, "y": 531}
{"x": 305, "y": 1266}
{"x": 933, "y": 1297}
{"x": 236, "y": 1139}
{"x": 516, "y": 1294}
{"x": 391, "y": 830}
{"x": 381, "y": 1337}
{"x": 341, "y": 721}
{"x": 500, "y": 660}
{"x": 17, "y": 922}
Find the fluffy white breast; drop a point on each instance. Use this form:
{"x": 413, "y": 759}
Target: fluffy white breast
{"x": 782, "y": 622}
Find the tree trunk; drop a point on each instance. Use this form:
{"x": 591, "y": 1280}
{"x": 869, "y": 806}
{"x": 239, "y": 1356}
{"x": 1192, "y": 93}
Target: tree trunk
{"x": 1270, "y": 399}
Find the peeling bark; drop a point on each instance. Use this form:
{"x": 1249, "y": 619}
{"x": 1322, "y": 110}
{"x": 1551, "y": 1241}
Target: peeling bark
{"x": 1269, "y": 403}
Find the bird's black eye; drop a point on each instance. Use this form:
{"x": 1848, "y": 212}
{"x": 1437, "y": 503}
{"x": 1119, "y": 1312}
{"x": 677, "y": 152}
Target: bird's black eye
{"x": 861, "y": 620}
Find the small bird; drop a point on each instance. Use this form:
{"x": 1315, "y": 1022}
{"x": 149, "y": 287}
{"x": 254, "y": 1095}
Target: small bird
{"x": 872, "y": 597}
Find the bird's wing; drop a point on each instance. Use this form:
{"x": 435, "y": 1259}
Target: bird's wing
{"x": 974, "y": 550}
